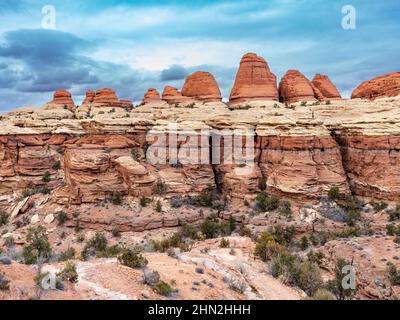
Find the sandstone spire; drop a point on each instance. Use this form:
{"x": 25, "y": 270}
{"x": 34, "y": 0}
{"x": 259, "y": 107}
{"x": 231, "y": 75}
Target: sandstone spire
{"x": 151, "y": 95}
{"x": 254, "y": 80}
{"x": 326, "y": 87}
{"x": 295, "y": 87}
{"x": 202, "y": 86}
{"x": 62, "y": 98}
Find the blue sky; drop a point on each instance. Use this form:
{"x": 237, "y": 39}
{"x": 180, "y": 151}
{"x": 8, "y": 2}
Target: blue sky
{"x": 133, "y": 45}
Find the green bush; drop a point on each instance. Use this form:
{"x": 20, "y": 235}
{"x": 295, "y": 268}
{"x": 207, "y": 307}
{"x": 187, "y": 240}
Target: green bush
{"x": 144, "y": 202}
{"x": 335, "y": 286}
{"x": 210, "y": 228}
{"x": 116, "y": 233}
{"x": 266, "y": 247}
{"x": 304, "y": 243}
{"x": 283, "y": 235}
{"x": 309, "y": 278}
{"x": 285, "y": 209}
{"x": 4, "y": 218}
{"x": 158, "y": 206}
{"x": 69, "y": 254}
{"x": 316, "y": 257}
{"x": 161, "y": 187}
{"x": 46, "y": 177}
{"x": 245, "y": 231}
{"x": 96, "y": 246}
{"x": 224, "y": 243}
{"x": 379, "y": 206}
{"x": 394, "y": 214}
{"x": 37, "y": 246}
{"x": 266, "y": 203}
{"x": 69, "y": 273}
{"x": 393, "y": 274}
{"x": 163, "y": 288}
{"x": 322, "y": 294}
{"x": 57, "y": 165}
{"x": 334, "y": 193}
{"x": 61, "y": 218}
{"x": 132, "y": 259}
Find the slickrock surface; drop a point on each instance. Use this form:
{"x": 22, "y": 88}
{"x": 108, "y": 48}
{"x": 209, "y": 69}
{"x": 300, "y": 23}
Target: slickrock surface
{"x": 295, "y": 87}
{"x": 254, "y": 80}
{"x": 387, "y": 85}
{"x": 202, "y": 86}
{"x": 151, "y": 95}
{"x": 62, "y": 98}
{"x": 325, "y": 87}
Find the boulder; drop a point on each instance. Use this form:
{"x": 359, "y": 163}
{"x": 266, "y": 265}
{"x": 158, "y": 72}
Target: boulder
{"x": 254, "y": 80}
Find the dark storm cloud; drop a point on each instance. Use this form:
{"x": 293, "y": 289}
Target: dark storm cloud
{"x": 174, "y": 72}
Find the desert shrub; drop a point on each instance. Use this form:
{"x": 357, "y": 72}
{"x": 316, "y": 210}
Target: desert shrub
{"x": 266, "y": 247}
{"x": 335, "y": 286}
{"x": 315, "y": 257}
{"x": 69, "y": 273}
{"x": 266, "y": 203}
{"x": 210, "y": 228}
{"x": 57, "y": 165}
{"x": 224, "y": 243}
{"x": 37, "y": 246}
{"x": 237, "y": 286}
{"x": 334, "y": 193}
{"x": 283, "y": 235}
{"x": 163, "y": 288}
{"x": 46, "y": 177}
{"x": 285, "y": 209}
{"x": 304, "y": 243}
{"x": 244, "y": 231}
{"x": 393, "y": 274}
{"x": 116, "y": 232}
{"x": 61, "y": 218}
{"x": 303, "y": 103}
{"x": 144, "y": 201}
{"x": 328, "y": 102}
{"x": 150, "y": 277}
{"x": 69, "y": 254}
{"x": 189, "y": 231}
{"x": 98, "y": 246}
{"x": 117, "y": 198}
{"x": 4, "y": 217}
{"x": 4, "y": 283}
{"x": 322, "y": 294}
{"x": 379, "y": 206}
{"x": 9, "y": 242}
{"x": 160, "y": 187}
{"x": 205, "y": 199}
{"x": 309, "y": 278}
{"x": 352, "y": 207}
{"x": 132, "y": 259}
{"x": 285, "y": 265}
{"x": 232, "y": 224}
{"x": 108, "y": 150}
{"x": 262, "y": 184}
{"x": 177, "y": 202}
{"x": 394, "y": 214}
{"x": 135, "y": 154}
{"x": 158, "y": 206}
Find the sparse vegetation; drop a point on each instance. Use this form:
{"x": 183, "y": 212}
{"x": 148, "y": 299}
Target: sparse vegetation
{"x": 117, "y": 198}
{"x": 394, "y": 214}
{"x": 144, "y": 202}
{"x": 132, "y": 259}
{"x": 379, "y": 206}
{"x": 262, "y": 184}
{"x": 98, "y": 247}
{"x": 335, "y": 286}
{"x": 46, "y": 177}
{"x": 267, "y": 203}
{"x": 116, "y": 232}
{"x": 393, "y": 274}
{"x": 224, "y": 243}
{"x": 285, "y": 209}
{"x": 4, "y": 218}
{"x": 69, "y": 273}
{"x": 61, "y": 218}
{"x": 158, "y": 206}
{"x": 244, "y": 231}
{"x": 57, "y": 165}
{"x": 160, "y": 187}
{"x": 163, "y": 288}
{"x": 334, "y": 193}
{"x": 4, "y": 283}
{"x": 37, "y": 246}
{"x": 69, "y": 254}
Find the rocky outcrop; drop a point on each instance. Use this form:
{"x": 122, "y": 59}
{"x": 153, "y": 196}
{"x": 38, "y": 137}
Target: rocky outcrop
{"x": 151, "y": 95}
{"x": 295, "y": 87}
{"x": 63, "y": 99}
{"x": 108, "y": 98}
{"x": 254, "y": 81}
{"x": 387, "y": 85}
{"x": 90, "y": 94}
{"x": 325, "y": 87}
{"x": 173, "y": 96}
{"x": 202, "y": 86}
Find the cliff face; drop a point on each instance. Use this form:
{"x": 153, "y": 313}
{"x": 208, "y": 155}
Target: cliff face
{"x": 300, "y": 153}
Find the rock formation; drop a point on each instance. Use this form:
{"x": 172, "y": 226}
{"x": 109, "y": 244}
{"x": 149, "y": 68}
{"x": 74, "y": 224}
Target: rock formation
{"x": 173, "y": 96}
{"x": 326, "y": 87}
{"x": 202, "y": 86}
{"x": 62, "y": 98}
{"x": 387, "y": 85}
{"x": 90, "y": 94}
{"x": 254, "y": 80}
{"x": 105, "y": 97}
{"x": 151, "y": 95}
{"x": 295, "y": 87}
